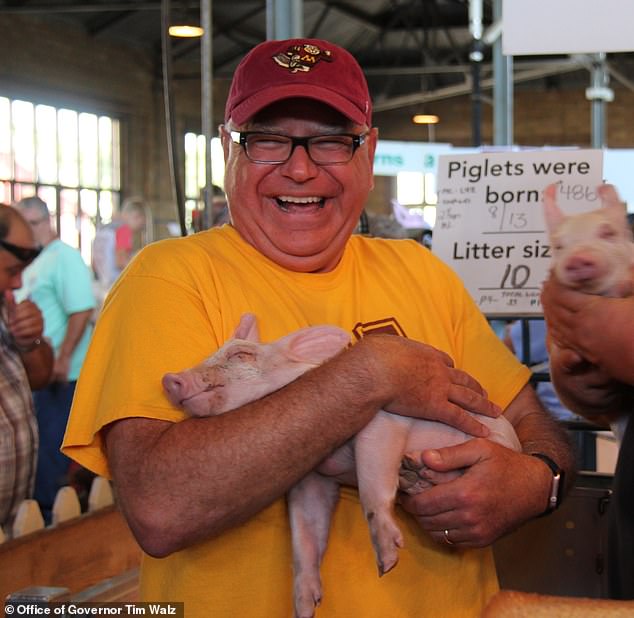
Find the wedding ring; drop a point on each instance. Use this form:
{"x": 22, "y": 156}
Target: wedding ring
{"x": 447, "y": 539}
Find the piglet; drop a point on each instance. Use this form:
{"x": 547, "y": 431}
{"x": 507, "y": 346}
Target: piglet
{"x": 243, "y": 370}
{"x": 592, "y": 251}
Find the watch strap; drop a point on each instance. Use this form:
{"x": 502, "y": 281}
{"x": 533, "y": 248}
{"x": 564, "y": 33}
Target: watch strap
{"x": 557, "y": 486}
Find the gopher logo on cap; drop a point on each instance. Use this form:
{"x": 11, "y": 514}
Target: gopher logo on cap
{"x": 302, "y": 57}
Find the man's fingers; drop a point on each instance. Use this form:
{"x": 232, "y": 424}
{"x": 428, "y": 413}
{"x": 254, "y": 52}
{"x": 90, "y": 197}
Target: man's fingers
{"x": 445, "y": 357}
{"x": 462, "y": 378}
{"x": 452, "y": 457}
{"x": 457, "y": 417}
{"x": 466, "y": 393}
{"x": 471, "y": 401}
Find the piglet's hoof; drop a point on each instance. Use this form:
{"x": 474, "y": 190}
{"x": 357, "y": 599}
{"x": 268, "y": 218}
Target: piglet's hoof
{"x": 412, "y": 475}
{"x": 307, "y": 598}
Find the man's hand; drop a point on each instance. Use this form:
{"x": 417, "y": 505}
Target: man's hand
{"x": 597, "y": 328}
{"x": 25, "y": 321}
{"x": 587, "y": 388}
{"x": 424, "y": 383}
{"x": 498, "y": 490}
{"x": 61, "y": 369}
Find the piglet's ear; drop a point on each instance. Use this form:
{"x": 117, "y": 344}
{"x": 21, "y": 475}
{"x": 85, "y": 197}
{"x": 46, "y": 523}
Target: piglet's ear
{"x": 315, "y": 344}
{"x": 552, "y": 213}
{"x": 247, "y": 328}
{"x": 614, "y": 208}
{"x": 609, "y": 196}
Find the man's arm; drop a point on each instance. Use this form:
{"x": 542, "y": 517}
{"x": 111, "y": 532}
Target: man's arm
{"x": 599, "y": 329}
{"x": 500, "y": 488}
{"x": 591, "y": 340}
{"x": 123, "y": 246}
{"x": 37, "y": 359}
{"x": 179, "y": 483}
{"x": 26, "y": 326}
{"x": 77, "y": 323}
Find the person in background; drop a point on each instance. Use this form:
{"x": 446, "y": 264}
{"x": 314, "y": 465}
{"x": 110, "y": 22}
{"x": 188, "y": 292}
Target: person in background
{"x": 538, "y": 355}
{"x": 218, "y": 212}
{"x": 219, "y": 208}
{"x": 539, "y": 360}
{"x": 594, "y": 376}
{"x": 113, "y": 245}
{"x": 26, "y": 362}
{"x": 60, "y": 283}
{"x": 205, "y": 496}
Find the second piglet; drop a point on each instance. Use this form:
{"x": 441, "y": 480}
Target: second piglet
{"x": 244, "y": 370}
{"x": 592, "y": 251}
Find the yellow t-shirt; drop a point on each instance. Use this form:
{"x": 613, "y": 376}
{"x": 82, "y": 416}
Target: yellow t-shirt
{"x": 179, "y": 301}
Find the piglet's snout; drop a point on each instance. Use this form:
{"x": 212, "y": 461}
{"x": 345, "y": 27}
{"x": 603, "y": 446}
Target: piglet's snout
{"x": 175, "y": 387}
{"x": 583, "y": 267}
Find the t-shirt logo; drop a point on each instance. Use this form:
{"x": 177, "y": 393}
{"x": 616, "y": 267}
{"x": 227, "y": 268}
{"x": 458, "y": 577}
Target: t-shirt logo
{"x": 302, "y": 57}
{"x": 385, "y": 326}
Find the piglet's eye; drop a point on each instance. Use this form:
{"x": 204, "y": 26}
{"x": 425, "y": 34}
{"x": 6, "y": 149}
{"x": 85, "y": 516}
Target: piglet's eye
{"x": 607, "y": 232}
{"x": 244, "y": 356}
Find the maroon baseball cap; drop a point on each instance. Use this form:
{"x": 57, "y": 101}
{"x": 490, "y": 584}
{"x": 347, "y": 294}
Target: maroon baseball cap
{"x": 306, "y": 68}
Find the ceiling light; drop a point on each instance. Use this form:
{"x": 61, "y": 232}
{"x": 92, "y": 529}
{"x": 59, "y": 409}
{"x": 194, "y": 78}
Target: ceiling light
{"x": 425, "y": 119}
{"x": 185, "y": 31}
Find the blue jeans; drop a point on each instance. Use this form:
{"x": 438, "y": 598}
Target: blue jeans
{"x": 52, "y": 407}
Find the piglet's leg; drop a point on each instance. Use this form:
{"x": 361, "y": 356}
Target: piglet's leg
{"x": 379, "y": 448}
{"x": 311, "y": 503}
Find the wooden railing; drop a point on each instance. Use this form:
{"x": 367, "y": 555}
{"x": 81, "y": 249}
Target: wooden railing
{"x": 91, "y": 555}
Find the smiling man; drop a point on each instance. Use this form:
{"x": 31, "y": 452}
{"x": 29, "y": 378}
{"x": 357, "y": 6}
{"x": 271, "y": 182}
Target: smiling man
{"x": 205, "y": 497}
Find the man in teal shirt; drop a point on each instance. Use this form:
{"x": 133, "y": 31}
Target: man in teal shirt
{"x": 60, "y": 283}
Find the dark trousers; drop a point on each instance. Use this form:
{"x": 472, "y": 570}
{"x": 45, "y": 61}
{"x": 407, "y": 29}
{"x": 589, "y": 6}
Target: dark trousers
{"x": 621, "y": 528}
{"x": 52, "y": 407}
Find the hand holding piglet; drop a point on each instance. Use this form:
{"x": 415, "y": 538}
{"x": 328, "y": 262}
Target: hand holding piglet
{"x": 244, "y": 370}
{"x": 587, "y": 299}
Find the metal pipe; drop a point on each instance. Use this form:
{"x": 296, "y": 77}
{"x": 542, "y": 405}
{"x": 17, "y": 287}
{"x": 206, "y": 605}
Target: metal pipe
{"x": 284, "y": 19}
{"x": 502, "y": 88}
{"x": 599, "y": 94}
{"x": 207, "y": 100}
{"x": 170, "y": 124}
{"x": 476, "y": 56}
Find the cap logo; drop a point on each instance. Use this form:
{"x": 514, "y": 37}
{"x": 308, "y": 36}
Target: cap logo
{"x": 302, "y": 57}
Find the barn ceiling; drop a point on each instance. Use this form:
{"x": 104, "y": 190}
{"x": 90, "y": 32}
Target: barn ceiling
{"x": 411, "y": 50}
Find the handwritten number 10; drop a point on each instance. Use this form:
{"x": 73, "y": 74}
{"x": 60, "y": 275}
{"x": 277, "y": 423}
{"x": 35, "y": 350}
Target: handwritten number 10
{"x": 519, "y": 275}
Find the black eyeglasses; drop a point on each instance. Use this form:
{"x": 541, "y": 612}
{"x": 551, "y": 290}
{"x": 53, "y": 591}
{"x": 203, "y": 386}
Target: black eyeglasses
{"x": 322, "y": 149}
{"x": 24, "y": 254}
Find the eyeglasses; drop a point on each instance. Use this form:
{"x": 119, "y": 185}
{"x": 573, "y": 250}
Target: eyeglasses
{"x": 24, "y": 254}
{"x": 322, "y": 149}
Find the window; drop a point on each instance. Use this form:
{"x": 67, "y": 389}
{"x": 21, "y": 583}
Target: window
{"x": 195, "y": 171}
{"x": 68, "y": 158}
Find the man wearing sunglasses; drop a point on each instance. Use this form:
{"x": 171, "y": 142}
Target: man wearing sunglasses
{"x": 205, "y": 497}
{"x": 26, "y": 362}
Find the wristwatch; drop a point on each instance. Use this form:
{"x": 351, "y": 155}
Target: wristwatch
{"x": 557, "y": 486}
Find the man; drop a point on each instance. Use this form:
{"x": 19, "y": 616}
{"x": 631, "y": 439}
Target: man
{"x": 594, "y": 376}
{"x": 26, "y": 361}
{"x": 113, "y": 246}
{"x": 206, "y": 495}
{"x": 60, "y": 284}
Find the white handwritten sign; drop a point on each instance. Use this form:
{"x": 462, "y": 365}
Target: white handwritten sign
{"x": 489, "y": 221}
